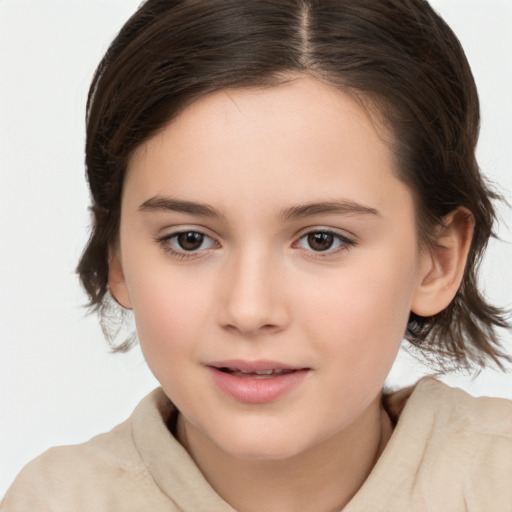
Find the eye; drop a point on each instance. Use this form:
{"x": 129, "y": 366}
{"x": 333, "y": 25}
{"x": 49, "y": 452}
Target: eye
{"x": 185, "y": 242}
{"x": 324, "y": 241}
{"x": 190, "y": 241}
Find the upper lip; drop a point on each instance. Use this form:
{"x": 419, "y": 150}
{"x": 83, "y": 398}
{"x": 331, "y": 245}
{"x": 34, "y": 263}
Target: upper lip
{"x": 253, "y": 366}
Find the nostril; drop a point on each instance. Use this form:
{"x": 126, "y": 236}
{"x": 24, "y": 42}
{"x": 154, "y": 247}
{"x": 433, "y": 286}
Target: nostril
{"x": 250, "y": 330}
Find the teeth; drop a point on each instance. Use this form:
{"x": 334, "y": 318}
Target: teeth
{"x": 260, "y": 372}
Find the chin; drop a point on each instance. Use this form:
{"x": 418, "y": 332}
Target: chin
{"x": 262, "y": 447}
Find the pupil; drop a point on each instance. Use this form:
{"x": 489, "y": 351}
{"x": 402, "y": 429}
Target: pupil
{"x": 320, "y": 241}
{"x": 190, "y": 241}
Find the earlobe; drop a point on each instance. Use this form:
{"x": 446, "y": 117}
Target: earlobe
{"x": 116, "y": 280}
{"x": 444, "y": 264}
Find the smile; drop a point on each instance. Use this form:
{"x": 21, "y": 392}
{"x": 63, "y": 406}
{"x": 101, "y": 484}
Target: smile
{"x": 257, "y": 374}
{"x": 256, "y": 382}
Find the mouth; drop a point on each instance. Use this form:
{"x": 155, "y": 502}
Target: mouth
{"x": 255, "y": 369}
{"x": 256, "y": 374}
{"x": 257, "y": 382}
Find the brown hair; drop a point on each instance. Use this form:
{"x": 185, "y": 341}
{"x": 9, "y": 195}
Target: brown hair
{"x": 397, "y": 55}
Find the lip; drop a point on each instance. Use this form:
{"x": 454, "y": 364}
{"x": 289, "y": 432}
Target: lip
{"x": 253, "y": 366}
{"x": 256, "y": 389}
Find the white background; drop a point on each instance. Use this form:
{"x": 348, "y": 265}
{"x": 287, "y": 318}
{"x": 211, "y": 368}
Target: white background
{"x": 58, "y": 382}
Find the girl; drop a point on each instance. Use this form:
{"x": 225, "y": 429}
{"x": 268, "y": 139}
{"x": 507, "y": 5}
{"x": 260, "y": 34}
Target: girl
{"x": 281, "y": 191}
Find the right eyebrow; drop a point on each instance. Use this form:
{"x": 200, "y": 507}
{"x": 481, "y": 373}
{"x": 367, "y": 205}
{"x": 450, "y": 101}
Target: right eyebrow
{"x": 162, "y": 203}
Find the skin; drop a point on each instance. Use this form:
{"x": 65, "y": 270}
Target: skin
{"x": 257, "y": 289}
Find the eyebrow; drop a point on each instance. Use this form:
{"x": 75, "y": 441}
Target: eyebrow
{"x": 341, "y": 207}
{"x": 159, "y": 203}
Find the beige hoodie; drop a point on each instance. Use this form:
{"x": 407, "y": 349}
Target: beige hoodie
{"x": 449, "y": 452}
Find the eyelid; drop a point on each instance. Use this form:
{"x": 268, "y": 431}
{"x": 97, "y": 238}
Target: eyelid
{"x": 343, "y": 233}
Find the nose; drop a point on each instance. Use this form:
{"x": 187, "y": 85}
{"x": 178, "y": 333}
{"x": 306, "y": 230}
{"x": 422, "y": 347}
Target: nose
{"x": 253, "y": 296}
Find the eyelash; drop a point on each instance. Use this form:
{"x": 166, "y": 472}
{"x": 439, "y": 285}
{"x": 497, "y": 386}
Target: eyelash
{"x": 345, "y": 243}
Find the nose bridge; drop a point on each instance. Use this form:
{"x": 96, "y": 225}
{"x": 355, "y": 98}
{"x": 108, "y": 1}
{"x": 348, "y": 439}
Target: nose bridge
{"x": 252, "y": 298}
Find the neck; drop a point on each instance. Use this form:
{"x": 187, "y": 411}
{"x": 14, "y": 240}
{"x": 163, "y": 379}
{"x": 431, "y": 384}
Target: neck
{"x": 323, "y": 478}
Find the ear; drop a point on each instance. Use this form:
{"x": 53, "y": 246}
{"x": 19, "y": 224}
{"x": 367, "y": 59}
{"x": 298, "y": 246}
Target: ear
{"x": 116, "y": 280}
{"x": 444, "y": 263}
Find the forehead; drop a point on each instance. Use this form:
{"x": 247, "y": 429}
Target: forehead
{"x": 294, "y": 141}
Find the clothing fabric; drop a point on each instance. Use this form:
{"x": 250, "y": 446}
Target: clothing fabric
{"x": 449, "y": 452}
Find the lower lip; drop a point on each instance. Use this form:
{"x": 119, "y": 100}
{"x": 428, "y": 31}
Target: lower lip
{"x": 254, "y": 390}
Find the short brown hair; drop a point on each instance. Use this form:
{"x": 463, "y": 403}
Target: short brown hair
{"x": 399, "y": 55}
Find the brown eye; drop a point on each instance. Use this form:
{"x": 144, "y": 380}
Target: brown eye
{"x": 190, "y": 240}
{"x": 320, "y": 241}
{"x": 187, "y": 244}
{"x": 324, "y": 241}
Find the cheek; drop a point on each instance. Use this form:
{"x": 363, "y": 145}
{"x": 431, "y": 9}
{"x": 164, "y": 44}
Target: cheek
{"x": 360, "y": 316}
{"x": 170, "y": 309}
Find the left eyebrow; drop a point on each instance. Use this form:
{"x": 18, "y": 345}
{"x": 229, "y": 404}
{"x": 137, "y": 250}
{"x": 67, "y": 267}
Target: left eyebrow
{"x": 342, "y": 207}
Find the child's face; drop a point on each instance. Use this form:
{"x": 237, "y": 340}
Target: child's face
{"x": 266, "y": 229}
